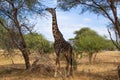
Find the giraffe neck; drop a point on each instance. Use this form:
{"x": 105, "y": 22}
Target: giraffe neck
{"x": 56, "y": 32}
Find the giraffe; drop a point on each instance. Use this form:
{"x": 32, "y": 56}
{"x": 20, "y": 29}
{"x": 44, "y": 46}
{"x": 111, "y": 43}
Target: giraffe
{"x": 61, "y": 46}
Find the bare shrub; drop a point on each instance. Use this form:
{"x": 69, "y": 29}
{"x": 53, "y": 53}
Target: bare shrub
{"x": 43, "y": 64}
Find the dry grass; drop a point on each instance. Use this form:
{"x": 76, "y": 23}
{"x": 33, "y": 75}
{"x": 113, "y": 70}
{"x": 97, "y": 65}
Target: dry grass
{"x": 104, "y": 68}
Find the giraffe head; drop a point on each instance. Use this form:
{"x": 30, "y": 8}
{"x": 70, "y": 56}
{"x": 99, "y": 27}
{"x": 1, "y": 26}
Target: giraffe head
{"x": 51, "y": 10}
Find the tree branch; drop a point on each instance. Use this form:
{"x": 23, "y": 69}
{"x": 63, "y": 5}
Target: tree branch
{"x": 104, "y": 11}
{"x": 113, "y": 40}
{"x": 10, "y": 33}
{"x": 114, "y": 11}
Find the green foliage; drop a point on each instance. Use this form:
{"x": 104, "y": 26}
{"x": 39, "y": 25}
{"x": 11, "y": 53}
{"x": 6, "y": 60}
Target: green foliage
{"x": 95, "y": 6}
{"x": 5, "y": 40}
{"x": 85, "y": 32}
{"x": 109, "y": 45}
{"x": 30, "y": 3}
{"x": 37, "y": 42}
{"x": 87, "y": 40}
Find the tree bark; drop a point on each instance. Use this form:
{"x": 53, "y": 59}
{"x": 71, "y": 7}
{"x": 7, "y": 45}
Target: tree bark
{"x": 114, "y": 12}
{"x": 25, "y": 54}
{"x": 94, "y": 58}
{"x": 90, "y": 57}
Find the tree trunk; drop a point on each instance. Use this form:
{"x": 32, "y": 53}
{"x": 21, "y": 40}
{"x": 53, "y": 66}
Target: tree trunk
{"x": 94, "y": 57}
{"x": 23, "y": 47}
{"x": 90, "y": 57}
{"x": 16, "y": 21}
{"x": 25, "y": 54}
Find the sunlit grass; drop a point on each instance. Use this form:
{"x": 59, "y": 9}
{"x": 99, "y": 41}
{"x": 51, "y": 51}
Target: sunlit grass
{"x": 103, "y": 68}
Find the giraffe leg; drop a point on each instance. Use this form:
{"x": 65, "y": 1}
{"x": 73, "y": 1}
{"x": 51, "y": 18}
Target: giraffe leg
{"x": 55, "y": 74}
{"x": 71, "y": 70}
{"x": 71, "y": 62}
{"x": 67, "y": 68}
{"x": 57, "y": 66}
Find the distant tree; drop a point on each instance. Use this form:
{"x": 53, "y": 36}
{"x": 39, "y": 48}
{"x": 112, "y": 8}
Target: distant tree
{"x": 107, "y": 8}
{"x": 37, "y": 42}
{"x": 87, "y": 40}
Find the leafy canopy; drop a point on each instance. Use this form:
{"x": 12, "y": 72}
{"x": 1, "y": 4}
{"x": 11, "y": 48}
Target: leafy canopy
{"x": 37, "y": 42}
{"x": 89, "y": 41}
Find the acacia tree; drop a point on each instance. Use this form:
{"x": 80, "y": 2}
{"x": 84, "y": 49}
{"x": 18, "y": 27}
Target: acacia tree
{"x": 14, "y": 16}
{"x": 87, "y": 40}
{"x": 107, "y": 8}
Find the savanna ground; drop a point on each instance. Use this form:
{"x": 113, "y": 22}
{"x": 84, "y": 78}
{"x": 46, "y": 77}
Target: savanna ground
{"x": 104, "y": 67}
